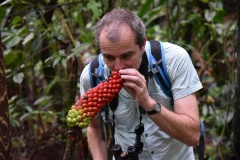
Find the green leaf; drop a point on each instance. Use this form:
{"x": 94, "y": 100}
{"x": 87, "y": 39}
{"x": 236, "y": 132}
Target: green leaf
{"x": 145, "y": 8}
{"x": 56, "y": 61}
{"x": 13, "y": 42}
{"x": 64, "y": 63}
{"x": 18, "y": 78}
{"x": 206, "y": 1}
{"x": 209, "y": 15}
{"x": 28, "y": 108}
{"x": 28, "y": 38}
{"x": 93, "y": 6}
{"x": 24, "y": 116}
{"x": 217, "y": 5}
{"x": 154, "y": 14}
{"x": 215, "y": 91}
{"x": 5, "y": 2}
{"x": 2, "y": 14}
{"x": 12, "y": 59}
{"x": 75, "y": 51}
{"x": 7, "y": 51}
{"x": 16, "y": 21}
{"x": 42, "y": 100}
{"x": 53, "y": 82}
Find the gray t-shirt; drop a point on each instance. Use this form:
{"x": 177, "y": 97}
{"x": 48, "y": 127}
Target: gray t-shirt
{"x": 157, "y": 145}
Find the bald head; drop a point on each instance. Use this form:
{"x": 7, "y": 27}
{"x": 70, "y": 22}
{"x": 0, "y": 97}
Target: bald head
{"x": 114, "y": 23}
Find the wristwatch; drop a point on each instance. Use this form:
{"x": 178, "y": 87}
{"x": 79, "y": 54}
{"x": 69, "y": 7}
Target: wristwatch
{"x": 156, "y": 109}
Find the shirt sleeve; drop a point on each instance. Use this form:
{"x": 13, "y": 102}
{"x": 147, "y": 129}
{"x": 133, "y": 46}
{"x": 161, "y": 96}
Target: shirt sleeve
{"x": 183, "y": 75}
{"x": 85, "y": 80}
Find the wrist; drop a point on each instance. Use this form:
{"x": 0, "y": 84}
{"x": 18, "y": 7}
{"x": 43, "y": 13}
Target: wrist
{"x": 156, "y": 109}
{"x": 151, "y": 105}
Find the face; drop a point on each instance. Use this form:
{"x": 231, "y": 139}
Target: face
{"x": 124, "y": 53}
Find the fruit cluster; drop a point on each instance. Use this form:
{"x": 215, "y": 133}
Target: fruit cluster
{"x": 89, "y": 104}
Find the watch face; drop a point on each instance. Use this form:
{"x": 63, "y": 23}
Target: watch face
{"x": 158, "y": 107}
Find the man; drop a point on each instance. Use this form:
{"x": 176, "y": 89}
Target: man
{"x": 170, "y": 132}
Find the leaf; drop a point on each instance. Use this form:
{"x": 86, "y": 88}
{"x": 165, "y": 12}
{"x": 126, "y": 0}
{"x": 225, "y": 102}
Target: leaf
{"x": 28, "y": 38}
{"x": 24, "y": 116}
{"x": 56, "y": 60}
{"x": 64, "y": 63}
{"x": 42, "y": 99}
{"x": 145, "y": 8}
{"x": 18, "y": 78}
{"x": 93, "y": 6}
{"x": 28, "y": 108}
{"x": 48, "y": 59}
{"x": 53, "y": 82}
{"x": 217, "y": 5}
{"x": 209, "y": 15}
{"x": 5, "y": 2}
{"x": 77, "y": 50}
{"x": 7, "y": 51}
{"x": 2, "y": 15}
{"x": 206, "y": 1}
{"x": 154, "y": 14}
{"x": 13, "y": 42}
{"x": 227, "y": 116}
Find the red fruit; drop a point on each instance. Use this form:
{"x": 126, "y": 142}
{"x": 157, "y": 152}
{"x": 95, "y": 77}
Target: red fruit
{"x": 94, "y": 99}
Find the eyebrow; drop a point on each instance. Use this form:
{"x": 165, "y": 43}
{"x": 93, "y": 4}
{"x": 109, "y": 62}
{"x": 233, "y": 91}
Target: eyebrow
{"x": 125, "y": 53}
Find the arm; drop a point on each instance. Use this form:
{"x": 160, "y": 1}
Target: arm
{"x": 97, "y": 146}
{"x": 182, "y": 124}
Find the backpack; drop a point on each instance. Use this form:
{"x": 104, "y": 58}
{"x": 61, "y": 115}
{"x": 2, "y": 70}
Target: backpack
{"x": 157, "y": 70}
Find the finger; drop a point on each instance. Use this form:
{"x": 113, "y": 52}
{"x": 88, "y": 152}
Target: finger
{"x": 129, "y": 78}
{"x": 130, "y": 83}
{"x": 133, "y": 76}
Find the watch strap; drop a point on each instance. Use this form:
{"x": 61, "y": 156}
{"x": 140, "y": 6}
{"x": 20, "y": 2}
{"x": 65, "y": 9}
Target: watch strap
{"x": 156, "y": 109}
{"x": 151, "y": 112}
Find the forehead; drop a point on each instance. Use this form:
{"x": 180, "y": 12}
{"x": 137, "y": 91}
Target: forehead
{"x": 119, "y": 37}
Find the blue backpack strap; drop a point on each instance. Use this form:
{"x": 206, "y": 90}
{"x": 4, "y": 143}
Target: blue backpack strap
{"x": 96, "y": 71}
{"x": 158, "y": 67}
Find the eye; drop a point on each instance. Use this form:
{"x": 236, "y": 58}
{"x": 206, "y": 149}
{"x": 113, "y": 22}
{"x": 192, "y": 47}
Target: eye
{"x": 109, "y": 58}
{"x": 126, "y": 56}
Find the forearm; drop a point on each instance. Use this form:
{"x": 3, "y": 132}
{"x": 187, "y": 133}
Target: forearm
{"x": 97, "y": 146}
{"x": 183, "y": 127}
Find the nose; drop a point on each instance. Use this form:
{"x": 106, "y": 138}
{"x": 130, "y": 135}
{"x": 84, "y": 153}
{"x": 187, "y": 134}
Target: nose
{"x": 118, "y": 64}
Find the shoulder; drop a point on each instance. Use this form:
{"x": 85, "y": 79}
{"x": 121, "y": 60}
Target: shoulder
{"x": 176, "y": 57}
{"x": 84, "y": 77}
{"x": 173, "y": 51}
{"x": 183, "y": 75}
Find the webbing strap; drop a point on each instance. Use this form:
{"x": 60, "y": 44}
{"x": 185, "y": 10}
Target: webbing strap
{"x": 158, "y": 69}
{"x": 93, "y": 66}
{"x": 113, "y": 106}
{"x": 201, "y": 142}
{"x": 96, "y": 71}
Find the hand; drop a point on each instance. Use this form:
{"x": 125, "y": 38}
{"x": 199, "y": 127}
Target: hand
{"x": 135, "y": 85}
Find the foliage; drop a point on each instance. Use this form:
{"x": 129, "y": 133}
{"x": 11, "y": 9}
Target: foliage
{"x": 49, "y": 42}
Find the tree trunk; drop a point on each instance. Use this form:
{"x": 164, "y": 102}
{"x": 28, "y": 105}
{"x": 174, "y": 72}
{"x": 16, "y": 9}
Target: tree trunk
{"x": 5, "y": 132}
{"x": 236, "y": 117}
